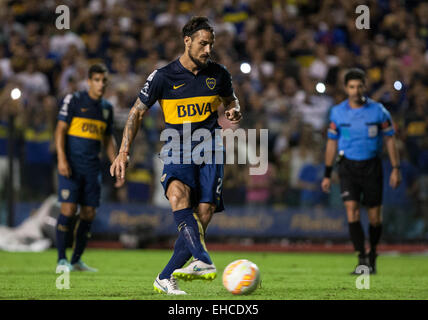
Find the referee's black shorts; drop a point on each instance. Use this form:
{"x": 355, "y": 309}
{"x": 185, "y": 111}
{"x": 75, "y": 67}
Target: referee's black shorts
{"x": 361, "y": 181}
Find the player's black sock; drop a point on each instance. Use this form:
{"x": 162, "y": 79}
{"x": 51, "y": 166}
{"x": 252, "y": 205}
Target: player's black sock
{"x": 63, "y": 227}
{"x": 358, "y": 239}
{"x": 374, "y": 232}
{"x": 81, "y": 239}
{"x": 179, "y": 258}
{"x": 187, "y": 224}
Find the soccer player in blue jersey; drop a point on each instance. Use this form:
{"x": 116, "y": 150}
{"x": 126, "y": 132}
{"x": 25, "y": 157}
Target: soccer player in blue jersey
{"x": 358, "y": 127}
{"x": 189, "y": 90}
{"x": 84, "y": 124}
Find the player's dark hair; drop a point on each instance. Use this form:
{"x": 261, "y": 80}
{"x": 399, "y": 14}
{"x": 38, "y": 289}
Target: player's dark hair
{"x": 355, "y": 74}
{"x": 97, "y": 68}
{"x": 195, "y": 24}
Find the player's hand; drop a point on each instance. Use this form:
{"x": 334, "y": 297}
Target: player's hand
{"x": 326, "y": 184}
{"x": 395, "y": 178}
{"x": 64, "y": 168}
{"x": 119, "y": 165}
{"x": 233, "y": 115}
{"x": 119, "y": 183}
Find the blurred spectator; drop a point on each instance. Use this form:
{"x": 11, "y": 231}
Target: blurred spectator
{"x": 139, "y": 175}
{"x": 8, "y": 108}
{"x": 62, "y": 40}
{"x": 416, "y": 127}
{"x": 309, "y": 183}
{"x": 258, "y": 187}
{"x": 391, "y": 94}
{"x": 124, "y": 78}
{"x": 39, "y": 151}
{"x": 33, "y": 81}
{"x": 300, "y": 155}
{"x": 6, "y": 70}
{"x": 314, "y": 108}
{"x": 322, "y": 63}
{"x": 404, "y": 195}
{"x": 234, "y": 184}
{"x": 236, "y": 12}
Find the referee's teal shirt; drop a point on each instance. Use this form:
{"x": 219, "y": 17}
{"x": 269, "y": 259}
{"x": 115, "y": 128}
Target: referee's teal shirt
{"x": 360, "y": 131}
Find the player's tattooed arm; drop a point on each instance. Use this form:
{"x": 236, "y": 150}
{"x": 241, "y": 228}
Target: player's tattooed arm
{"x": 132, "y": 125}
{"x": 232, "y": 109}
{"x": 130, "y": 131}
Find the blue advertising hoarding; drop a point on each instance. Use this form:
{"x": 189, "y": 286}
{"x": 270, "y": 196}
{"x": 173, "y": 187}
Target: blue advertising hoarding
{"x": 115, "y": 218}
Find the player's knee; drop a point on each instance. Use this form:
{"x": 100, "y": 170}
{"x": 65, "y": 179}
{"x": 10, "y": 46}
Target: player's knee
{"x": 205, "y": 214}
{"x": 68, "y": 209}
{"x": 179, "y": 197}
{"x": 204, "y": 218}
{"x": 353, "y": 215}
{"x": 375, "y": 220}
{"x": 87, "y": 214}
{"x": 178, "y": 201}
{"x": 375, "y": 215}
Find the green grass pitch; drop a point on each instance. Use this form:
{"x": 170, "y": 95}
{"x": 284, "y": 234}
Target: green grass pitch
{"x": 129, "y": 274}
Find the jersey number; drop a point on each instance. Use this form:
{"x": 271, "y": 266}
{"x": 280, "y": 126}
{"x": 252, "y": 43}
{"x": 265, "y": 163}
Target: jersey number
{"x": 220, "y": 183}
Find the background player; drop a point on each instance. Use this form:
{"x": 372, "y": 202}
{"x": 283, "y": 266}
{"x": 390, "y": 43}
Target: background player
{"x": 189, "y": 89}
{"x": 358, "y": 126}
{"x": 84, "y": 124}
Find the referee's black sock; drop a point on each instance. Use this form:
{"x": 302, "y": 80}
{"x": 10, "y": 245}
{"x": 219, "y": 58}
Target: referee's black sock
{"x": 357, "y": 238}
{"x": 375, "y": 231}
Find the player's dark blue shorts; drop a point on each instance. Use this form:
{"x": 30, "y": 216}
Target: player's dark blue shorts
{"x": 83, "y": 189}
{"x": 205, "y": 180}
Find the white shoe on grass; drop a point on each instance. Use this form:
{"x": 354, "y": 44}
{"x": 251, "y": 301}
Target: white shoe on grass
{"x": 64, "y": 263}
{"x": 196, "y": 270}
{"x": 168, "y": 286}
{"x": 81, "y": 266}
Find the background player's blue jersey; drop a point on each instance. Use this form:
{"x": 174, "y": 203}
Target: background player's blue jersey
{"x": 360, "y": 131}
{"x": 89, "y": 122}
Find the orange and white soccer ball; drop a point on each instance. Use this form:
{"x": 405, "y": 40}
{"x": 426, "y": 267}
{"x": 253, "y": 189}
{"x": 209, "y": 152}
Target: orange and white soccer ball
{"x": 241, "y": 277}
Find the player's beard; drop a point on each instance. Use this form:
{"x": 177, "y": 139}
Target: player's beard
{"x": 198, "y": 62}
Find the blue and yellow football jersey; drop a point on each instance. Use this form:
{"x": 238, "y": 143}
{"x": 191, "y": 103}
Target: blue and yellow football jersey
{"x": 89, "y": 122}
{"x": 188, "y": 98}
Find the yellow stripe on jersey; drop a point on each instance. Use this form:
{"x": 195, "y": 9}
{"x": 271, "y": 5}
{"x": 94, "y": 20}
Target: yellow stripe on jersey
{"x": 194, "y": 109}
{"x": 87, "y": 128}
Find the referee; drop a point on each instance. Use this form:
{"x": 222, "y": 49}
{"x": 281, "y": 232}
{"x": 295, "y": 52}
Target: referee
{"x": 357, "y": 128}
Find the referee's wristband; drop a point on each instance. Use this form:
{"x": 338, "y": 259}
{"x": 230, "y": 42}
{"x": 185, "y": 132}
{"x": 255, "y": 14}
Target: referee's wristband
{"x": 327, "y": 172}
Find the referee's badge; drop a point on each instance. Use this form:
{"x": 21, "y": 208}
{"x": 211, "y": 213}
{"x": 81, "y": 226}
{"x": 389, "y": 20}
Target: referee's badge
{"x": 210, "y": 83}
{"x": 373, "y": 130}
{"x": 65, "y": 193}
